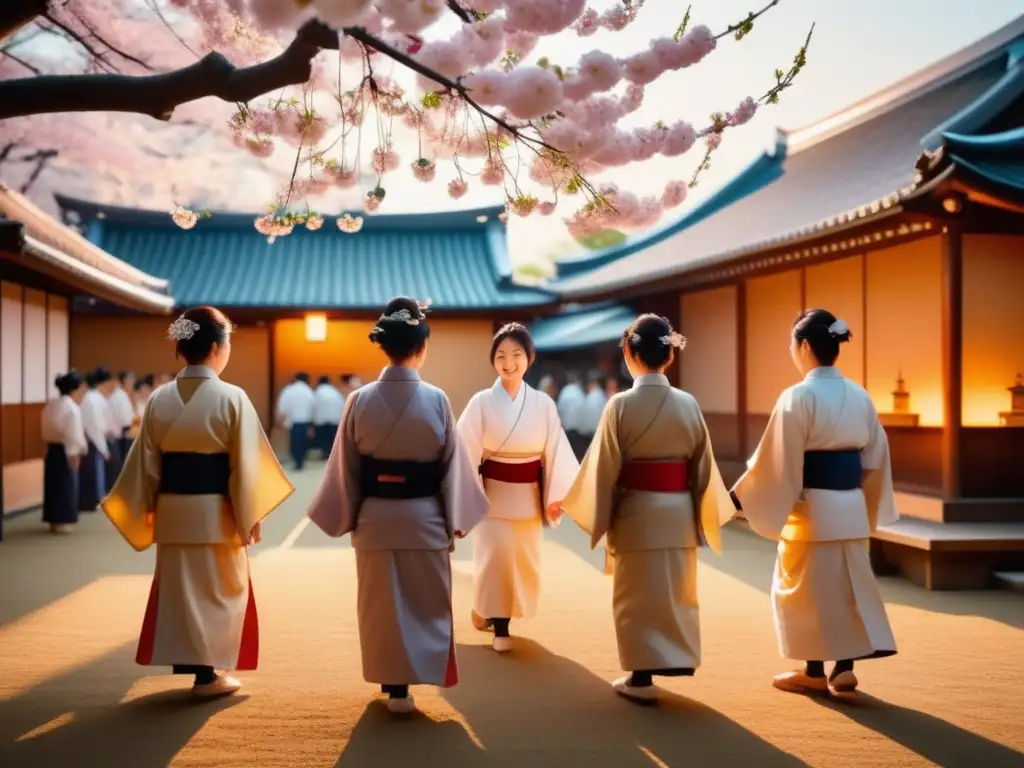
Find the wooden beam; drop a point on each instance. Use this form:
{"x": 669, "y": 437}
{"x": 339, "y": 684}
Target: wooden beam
{"x": 864, "y": 318}
{"x": 952, "y": 356}
{"x": 741, "y": 367}
{"x": 803, "y": 288}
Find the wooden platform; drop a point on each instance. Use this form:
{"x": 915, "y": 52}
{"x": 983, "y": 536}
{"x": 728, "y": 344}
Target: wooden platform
{"x": 946, "y": 556}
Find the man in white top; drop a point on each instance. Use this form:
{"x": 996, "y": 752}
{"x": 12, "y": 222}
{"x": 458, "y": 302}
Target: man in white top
{"x": 295, "y": 412}
{"x": 328, "y": 405}
{"x": 593, "y": 405}
{"x": 571, "y": 404}
{"x": 96, "y": 423}
{"x": 124, "y": 409}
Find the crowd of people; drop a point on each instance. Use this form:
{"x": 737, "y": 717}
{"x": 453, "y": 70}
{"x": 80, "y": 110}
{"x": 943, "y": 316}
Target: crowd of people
{"x": 407, "y": 480}
{"x": 311, "y": 416}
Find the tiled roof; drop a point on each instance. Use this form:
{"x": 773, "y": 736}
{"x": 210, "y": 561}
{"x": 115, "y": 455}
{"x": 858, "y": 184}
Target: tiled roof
{"x": 46, "y": 243}
{"x": 576, "y": 329}
{"x": 828, "y": 177}
{"x": 997, "y": 158}
{"x": 455, "y": 260}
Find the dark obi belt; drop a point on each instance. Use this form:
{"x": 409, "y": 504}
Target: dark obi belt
{"x": 832, "y": 470}
{"x": 195, "y": 474}
{"x": 655, "y": 476}
{"x": 525, "y": 473}
{"x": 397, "y": 479}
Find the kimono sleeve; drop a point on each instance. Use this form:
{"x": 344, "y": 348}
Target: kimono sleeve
{"x": 710, "y": 494}
{"x": 560, "y": 463}
{"x": 590, "y": 501}
{"x": 876, "y": 477}
{"x": 131, "y": 503}
{"x": 465, "y": 502}
{"x": 470, "y": 428}
{"x": 774, "y": 479}
{"x": 258, "y": 484}
{"x": 335, "y": 507}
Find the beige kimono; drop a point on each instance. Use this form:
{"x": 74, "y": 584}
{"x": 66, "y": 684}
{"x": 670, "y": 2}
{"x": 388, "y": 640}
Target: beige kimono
{"x": 197, "y": 480}
{"x": 652, "y": 536}
{"x": 826, "y": 602}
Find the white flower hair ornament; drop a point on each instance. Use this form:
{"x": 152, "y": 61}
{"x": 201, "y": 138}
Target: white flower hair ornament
{"x": 838, "y": 328}
{"x": 673, "y": 339}
{"x": 636, "y": 338}
{"x": 400, "y": 316}
{"x": 182, "y": 329}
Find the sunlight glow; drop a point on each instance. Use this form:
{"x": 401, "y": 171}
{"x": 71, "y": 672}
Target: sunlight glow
{"x": 58, "y": 722}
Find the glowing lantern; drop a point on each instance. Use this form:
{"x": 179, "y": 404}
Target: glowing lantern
{"x": 316, "y": 328}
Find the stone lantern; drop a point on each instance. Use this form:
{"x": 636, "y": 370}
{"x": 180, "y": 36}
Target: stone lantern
{"x": 900, "y": 396}
{"x": 900, "y": 415}
{"x": 1015, "y": 416}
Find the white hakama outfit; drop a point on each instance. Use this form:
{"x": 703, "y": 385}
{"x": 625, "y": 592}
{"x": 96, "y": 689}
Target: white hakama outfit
{"x": 650, "y": 484}
{"x": 198, "y": 478}
{"x": 525, "y": 463}
{"x": 92, "y": 473}
{"x": 62, "y": 431}
{"x": 820, "y": 483}
{"x": 399, "y": 481}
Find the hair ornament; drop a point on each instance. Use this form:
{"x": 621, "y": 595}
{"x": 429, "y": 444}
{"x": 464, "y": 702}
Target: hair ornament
{"x": 400, "y": 316}
{"x": 673, "y": 339}
{"x": 636, "y": 338}
{"x": 182, "y": 329}
{"x": 838, "y": 328}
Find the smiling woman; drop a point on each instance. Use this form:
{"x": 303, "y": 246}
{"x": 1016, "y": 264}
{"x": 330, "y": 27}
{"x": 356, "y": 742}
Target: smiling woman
{"x": 513, "y": 434}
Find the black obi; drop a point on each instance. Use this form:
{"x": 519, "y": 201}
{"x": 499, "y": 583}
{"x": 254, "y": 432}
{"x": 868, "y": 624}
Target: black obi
{"x": 195, "y": 474}
{"x": 832, "y": 470}
{"x": 400, "y": 479}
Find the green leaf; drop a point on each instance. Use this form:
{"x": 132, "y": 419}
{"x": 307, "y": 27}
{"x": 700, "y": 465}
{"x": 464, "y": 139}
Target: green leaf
{"x": 572, "y": 187}
{"x": 559, "y": 72}
{"x": 681, "y": 29}
{"x": 431, "y": 100}
{"x": 606, "y": 238}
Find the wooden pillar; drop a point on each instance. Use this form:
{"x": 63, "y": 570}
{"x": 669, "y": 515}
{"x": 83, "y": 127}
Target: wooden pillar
{"x": 952, "y": 356}
{"x": 741, "y": 369}
{"x": 270, "y": 326}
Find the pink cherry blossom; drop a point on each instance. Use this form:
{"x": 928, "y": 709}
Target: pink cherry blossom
{"x": 533, "y": 92}
{"x": 457, "y": 188}
{"x": 350, "y": 224}
{"x": 713, "y": 141}
{"x": 411, "y": 15}
{"x": 339, "y": 13}
{"x": 384, "y": 160}
{"x": 542, "y": 17}
{"x": 519, "y": 42}
{"x": 492, "y": 174}
{"x": 588, "y": 23}
{"x": 445, "y": 58}
{"x": 371, "y": 202}
{"x": 275, "y": 14}
{"x": 643, "y": 68}
{"x": 744, "y": 112}
{"x": 485, "y": 6}
{"x": 488, "y": 87}
{"x": 679, "y": 138}
{"x": 424, "y": 170}
{"x": 674, "y": 194}
{"x": 485, "y": 39}
{"x": 314, "y": 222}
{"x": 546, "y": 208}
{"x": 259, "y": 147}
{"x": 600, "y": 70}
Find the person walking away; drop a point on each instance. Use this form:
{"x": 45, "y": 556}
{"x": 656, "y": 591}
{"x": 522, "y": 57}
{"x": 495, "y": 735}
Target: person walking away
{"x": 124, "y": 410}
{"x": 650, "y": 484}
{"x": 328, "y": 404}
{"x": 295, "y": 412}
{"x": 92, "y": 477}
{"x": 593, "y": 406}
{"x": 400, "y": 482}
{"x": 66, "y": 444}
{"x": 820, "y": 483}
{"x": 571, "y": 406}
{"x": 197, "y": 483}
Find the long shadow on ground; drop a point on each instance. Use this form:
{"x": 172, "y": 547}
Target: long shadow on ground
{"x": 534, "y": 708}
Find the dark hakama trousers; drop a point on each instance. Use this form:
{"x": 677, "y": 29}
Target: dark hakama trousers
{"x": 92, "y": 482}
{"x": 325, "y": 438}
{"x": 114, "y": 464}
{"x": 126, "y": 445}
{"x": 578, "y": 442}
{"x": 60, "y": 487}
{"x": 299, "y": 439}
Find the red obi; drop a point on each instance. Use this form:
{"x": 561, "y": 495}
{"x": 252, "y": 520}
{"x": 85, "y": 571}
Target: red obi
{"x": 655, "y": 476}
{"x": 526, "y": 473}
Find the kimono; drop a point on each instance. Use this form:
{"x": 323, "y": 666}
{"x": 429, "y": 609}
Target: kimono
{"x": 525, "y": 463}
{"x": 65, "y": 438}
{"x": 114, "y": 433}
{"x": 92, "y": 473}
{"x": 400, "y": 482}
{"x": 198, "y": 478}
{"x": 649, "y": 483}
{"x": 820, "y": 483}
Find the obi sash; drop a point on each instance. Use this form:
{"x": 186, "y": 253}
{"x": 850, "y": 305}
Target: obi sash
{"x": 400, "y": 479}
{"x": 524, "y": 473}
{"x": 195, "y": 474}
{"x": 655, "y": 476}
{"x": 832, "y": 470}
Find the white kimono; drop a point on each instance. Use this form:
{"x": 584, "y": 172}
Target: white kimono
{"x": 653, "y": 535}
{"x": 198, "y": 431}
{"x": 826, "y": 602}
{"x": 506, "y": 545}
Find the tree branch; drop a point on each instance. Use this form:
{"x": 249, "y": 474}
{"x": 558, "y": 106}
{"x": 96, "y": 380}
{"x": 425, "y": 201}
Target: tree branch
{"x": 15, "y": 14}
{"x": 40, "y": 158}
{"x": 18, "y": 60}
{"x": 159, "y": 95}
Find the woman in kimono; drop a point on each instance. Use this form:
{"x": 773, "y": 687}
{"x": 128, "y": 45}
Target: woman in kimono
{"x": 92, "y": 473}
{"x": 400, "y": 482}
{"x": 512, "y": 433}
{"x": 198, "y": 481}
{"x": 649, "y": 483}
{"x": 65, "y": 445}
{"x": 820, "y": 483}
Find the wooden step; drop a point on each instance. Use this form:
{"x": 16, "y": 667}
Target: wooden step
{"x": 1011, "y": 580}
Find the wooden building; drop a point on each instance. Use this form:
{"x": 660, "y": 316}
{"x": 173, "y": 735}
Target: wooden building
{"x": 44, "y": 267}
{"x": 307, "y": 301}
{"x": 904, "y": 215}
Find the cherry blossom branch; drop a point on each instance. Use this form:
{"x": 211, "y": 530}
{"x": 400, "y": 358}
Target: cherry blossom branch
{"x": 743, "y": 28}
{"x": 40, "y": 158}
{"x": 466, "y": 16}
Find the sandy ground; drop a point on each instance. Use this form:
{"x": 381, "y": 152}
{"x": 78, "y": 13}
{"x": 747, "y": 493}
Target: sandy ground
{"x": 71, "y": 695}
